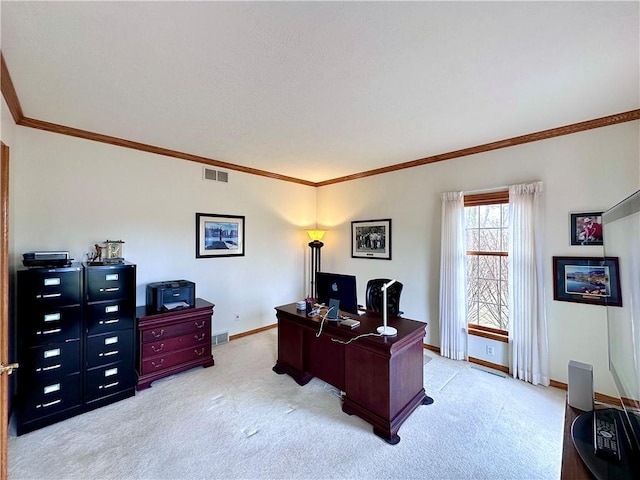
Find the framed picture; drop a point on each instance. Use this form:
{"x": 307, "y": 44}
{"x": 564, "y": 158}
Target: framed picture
{"x": 371, "y": 239}
{"x": 587, "y": 280}
{"x": 219, "y": 235}
{"x": 586, "y": 228}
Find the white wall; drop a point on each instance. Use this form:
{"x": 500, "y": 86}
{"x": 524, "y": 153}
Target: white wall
{"x": 588, "y": 171}
{"x": 68, "y": 193}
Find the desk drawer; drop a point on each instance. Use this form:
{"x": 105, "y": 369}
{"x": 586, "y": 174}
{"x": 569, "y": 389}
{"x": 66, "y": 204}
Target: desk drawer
{"x": 196, "y": 326}
{"x": 162, "y": 362}
{"x": 176, "y": 343}
{"x": 109, "y": 347}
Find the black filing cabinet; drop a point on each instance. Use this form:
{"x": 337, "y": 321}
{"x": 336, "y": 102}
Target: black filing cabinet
{"x": 109, "y": 326}
{"x": 74, "y": 341}
{"x": 49, "y": 346}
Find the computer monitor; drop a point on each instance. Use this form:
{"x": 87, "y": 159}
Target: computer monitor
{"x": 339, "y": 287}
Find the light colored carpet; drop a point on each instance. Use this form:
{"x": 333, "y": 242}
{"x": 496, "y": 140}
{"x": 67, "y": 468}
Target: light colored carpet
{"x": 238, "y": 419}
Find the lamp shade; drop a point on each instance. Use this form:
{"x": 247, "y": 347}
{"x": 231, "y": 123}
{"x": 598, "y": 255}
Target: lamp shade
{"x": 316, "y": 234}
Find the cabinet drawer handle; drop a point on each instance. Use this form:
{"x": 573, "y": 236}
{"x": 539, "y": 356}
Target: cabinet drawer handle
{"x": 48, "y": 404}
{"x": 46, "y": 369}
{"x": 200, "y": 337}
{"x": 110, "y": 289}
{"x": 49, "y": 295}
{"x": 159, "y": 334}
{"x": 108, "y": 322}
{"x": 159, "y": 364}
{"x": 49, "y": 332}
{"x": 153, "y": 347}
{"x": 108, "y": 385}
{"x": 199, "y": 353}
{"x": 201, "y": 325}
{"x": 108, "y": 354}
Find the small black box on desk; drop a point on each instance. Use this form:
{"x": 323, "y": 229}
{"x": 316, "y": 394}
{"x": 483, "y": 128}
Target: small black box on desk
{"x": 171, "y": 295}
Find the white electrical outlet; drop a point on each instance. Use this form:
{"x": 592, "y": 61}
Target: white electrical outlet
{"x": 490, "y": 350}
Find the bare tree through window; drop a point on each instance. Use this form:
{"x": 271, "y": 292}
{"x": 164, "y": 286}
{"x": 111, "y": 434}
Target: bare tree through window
{"x": 487, "y": 230}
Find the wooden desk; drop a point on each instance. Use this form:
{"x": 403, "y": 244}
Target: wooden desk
{"x": 381, "y": 376}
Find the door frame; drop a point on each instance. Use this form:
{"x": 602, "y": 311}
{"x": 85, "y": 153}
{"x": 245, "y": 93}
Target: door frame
{"x": 4, "y": 307}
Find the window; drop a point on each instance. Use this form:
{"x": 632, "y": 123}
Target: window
{"x": 487, "y": 236}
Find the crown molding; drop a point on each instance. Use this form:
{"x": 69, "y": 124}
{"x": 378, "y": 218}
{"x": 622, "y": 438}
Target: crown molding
{"x": 120, "y": 142}
{"x": 9, "y": 92}
{"x": 629, "y": 116}
{"x": 11, "y": 97}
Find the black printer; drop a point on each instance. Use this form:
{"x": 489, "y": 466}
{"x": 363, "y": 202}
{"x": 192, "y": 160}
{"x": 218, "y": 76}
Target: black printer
{"x": 170, "y": 295}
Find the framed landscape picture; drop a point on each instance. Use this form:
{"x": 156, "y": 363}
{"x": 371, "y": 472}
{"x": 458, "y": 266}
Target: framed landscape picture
{"x": 219, "y": 235}
{"x": 371, "y": 239}
{"x": 586, "y": 228}
{"x": 587, "y": 280}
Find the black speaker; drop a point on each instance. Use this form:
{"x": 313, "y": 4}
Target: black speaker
{"x": 580, "y": 388}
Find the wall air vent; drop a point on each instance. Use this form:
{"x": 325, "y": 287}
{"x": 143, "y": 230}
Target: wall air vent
{"x": 215, "y": 175}
{"x": 218, "y": 338}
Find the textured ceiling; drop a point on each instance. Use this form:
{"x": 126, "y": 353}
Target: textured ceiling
{"x": 319, "y": 90}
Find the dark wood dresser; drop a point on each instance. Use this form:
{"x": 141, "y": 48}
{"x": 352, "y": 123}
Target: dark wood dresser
{"x": 171, "y": 342}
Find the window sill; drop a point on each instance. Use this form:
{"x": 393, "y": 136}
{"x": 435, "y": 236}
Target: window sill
{"x": 488, "y": 333}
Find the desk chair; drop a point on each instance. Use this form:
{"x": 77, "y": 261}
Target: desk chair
{"x": 375, "y": 299}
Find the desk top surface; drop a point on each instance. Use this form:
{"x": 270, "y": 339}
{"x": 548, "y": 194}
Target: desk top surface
{"x": 369, "y": 322}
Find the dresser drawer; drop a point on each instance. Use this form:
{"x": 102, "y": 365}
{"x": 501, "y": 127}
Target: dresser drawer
{"x": 103, "y": 381}
{"x": 162, "y": 362}
{"x": 49, "y": 287}
{"x": 109, "y": 347}
{"x": 168, "y": 345}
{"x": 50, "y": 396}
{"x": 49, "y": 361}
{"x": 50, "y": 325}
{"x": 108, "y": 283}
{"x": 195, "y": 326}
{"x": 108, "y": 316}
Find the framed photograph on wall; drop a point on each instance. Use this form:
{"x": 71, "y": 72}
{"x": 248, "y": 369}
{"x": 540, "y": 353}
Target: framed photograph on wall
{"x": 219, "y": 235}
{"x": 587, "y": 280}
{"x": 586, "y": 228}
{"x": 371, "y": 239}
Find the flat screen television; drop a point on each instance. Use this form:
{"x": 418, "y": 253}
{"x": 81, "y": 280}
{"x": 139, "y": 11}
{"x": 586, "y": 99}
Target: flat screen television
{"x": 621, "y": 238}
{"x": 340, "y": 287}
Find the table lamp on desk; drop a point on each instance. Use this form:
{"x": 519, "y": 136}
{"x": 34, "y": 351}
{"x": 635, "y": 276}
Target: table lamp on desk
{"x": 385, "y": 329}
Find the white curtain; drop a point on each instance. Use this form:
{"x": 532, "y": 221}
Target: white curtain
{"x": 527, "y": 318}
{"x": 453, "y": 303}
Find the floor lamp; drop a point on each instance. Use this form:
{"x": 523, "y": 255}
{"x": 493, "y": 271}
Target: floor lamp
{"x": 315, "y": 245}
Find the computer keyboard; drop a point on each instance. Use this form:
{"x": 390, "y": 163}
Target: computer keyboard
{"x": 605, "y": 435}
